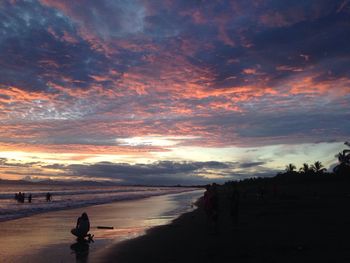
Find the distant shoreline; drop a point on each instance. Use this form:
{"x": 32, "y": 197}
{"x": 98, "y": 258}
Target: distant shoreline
{"x": 87, "y": 183}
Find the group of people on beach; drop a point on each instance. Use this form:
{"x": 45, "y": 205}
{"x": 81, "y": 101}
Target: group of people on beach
{"x": 21, "y": 197}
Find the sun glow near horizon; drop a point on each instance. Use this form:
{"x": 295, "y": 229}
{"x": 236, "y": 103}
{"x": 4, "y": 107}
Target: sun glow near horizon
{"x": 244, "y": 160}
{"x": 192, "y": 88}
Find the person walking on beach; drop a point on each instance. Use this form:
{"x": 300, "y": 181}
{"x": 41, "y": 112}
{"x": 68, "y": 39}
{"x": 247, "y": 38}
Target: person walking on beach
{"x": 29, "y": 198}
{"x": 82, "y": 228}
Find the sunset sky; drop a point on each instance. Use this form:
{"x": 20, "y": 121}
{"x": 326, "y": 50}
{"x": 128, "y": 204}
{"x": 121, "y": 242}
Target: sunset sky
{"x": 171, "y": 91}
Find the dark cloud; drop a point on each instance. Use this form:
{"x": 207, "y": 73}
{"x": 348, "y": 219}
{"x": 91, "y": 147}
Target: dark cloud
{"x": 40, "y": 45}
{"x": 162, "y": 173}
{"x": 5, "y": 162}
{"x": 251, "y": 164}
{"x": 78, "y": 75}
{"x": 34, "y": 51}
{"x": 129, "y": 170}
{"x": 107, "y": 19}
{"x": 282, "y": 127}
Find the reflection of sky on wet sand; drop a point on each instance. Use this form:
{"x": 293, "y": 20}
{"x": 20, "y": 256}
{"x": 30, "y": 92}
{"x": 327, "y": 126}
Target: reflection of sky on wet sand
{"x": 46, "y": 237}
{"x": 130, "y": 232}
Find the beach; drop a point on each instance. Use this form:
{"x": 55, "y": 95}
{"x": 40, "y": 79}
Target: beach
{"x": 298, "y": 222}
{"x": 46, "y": 237}
{"x": 302, "y": 223}
{"x": 175, "y": 131}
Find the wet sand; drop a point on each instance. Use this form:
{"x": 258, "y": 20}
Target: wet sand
{"x": 307, "y": 223}
{"x": 46, "y": 237}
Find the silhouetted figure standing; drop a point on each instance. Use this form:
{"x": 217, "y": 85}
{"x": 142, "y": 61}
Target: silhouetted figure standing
{"x": 20, "y": 197}
{"x": 211, "y": 206}
{"x": 29, "y": 198}
{"x": 234, "y": 205}
{"x": 262, "y": 193}
{"x": 82, "y": 228}
{"x": 206, "y": 201}
{"x": 274, "y": 190}
{"x": 48, "y": 197}
{"x": 215, "y": 202}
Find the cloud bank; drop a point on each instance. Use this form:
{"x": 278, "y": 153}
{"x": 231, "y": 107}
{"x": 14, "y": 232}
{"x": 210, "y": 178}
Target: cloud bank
{"x": 84, "y": 76}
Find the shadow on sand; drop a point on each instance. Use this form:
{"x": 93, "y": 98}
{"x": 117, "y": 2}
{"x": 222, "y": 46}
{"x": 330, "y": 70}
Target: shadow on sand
{"x": 81, "y": 250}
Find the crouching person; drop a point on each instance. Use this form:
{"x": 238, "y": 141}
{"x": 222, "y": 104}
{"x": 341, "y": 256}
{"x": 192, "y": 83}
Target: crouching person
{"x": 82, "y": 228}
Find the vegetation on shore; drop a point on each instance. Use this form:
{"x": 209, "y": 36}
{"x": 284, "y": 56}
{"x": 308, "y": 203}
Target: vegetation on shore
{"x": 308, "y": 172}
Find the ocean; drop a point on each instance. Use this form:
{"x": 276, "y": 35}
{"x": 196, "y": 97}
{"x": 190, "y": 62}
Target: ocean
{"x": 68, "y": 196}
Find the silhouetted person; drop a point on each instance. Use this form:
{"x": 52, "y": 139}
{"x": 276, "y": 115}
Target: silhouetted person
{"x": 82, "y": 228}
{"x": 234, "y": 205}
{"x": 29, "y": 198}
{"x": 206, "y": 201}
{"x": 262, "y": 193}
{"x": 215, "y": 201}
{"x": 211, "y": 206}
{"x": 274, "y": 190}
{"x": 48, "y": 197}
{"x": 20, "y": 197}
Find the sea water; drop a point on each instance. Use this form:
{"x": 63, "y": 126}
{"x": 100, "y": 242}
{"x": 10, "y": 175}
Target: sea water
{"x": 70, "y": 196}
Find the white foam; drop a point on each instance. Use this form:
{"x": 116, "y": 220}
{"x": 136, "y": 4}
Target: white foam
{"x": 72, "y": 198}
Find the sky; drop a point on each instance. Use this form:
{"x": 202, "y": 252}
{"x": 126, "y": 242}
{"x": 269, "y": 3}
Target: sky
{"x": 171, "y": 92}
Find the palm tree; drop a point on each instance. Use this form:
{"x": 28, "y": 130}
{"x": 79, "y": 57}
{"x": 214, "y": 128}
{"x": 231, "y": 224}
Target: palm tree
{"x": 305, "y": 169}
{"x": 344, "y": 157}
{"x": 290, "y": 168}
{"x": 344, "y": 161}
{"x": 318, "y": 168}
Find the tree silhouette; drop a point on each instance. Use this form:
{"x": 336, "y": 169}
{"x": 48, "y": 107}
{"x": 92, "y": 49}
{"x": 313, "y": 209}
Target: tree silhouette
{"x": 344, "y": 161}
{"x": 343, "y": 157}
{"x": 318, "y": 168}
{"x": 305, "y": 169}
{"x": 290, "y": 168}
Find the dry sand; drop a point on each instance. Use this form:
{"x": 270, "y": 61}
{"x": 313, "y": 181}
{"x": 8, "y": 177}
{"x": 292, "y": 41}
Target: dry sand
{"x": 303, "y": 223}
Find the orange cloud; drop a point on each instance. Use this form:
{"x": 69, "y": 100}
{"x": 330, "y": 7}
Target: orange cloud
{"x": 308, "y": 86}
